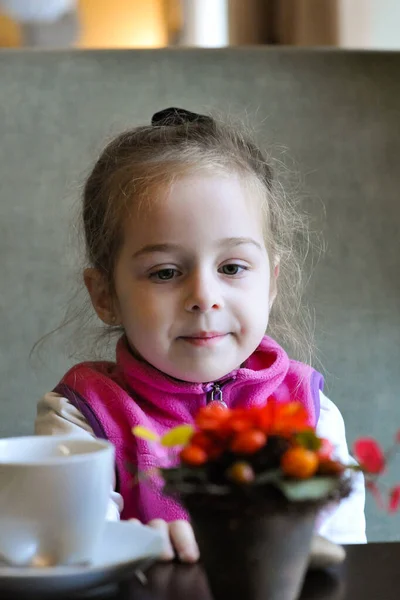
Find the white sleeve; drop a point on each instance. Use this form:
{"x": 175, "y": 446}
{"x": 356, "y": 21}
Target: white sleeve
{"x": 345, "y": 523}
{"x": 57, "y": 416}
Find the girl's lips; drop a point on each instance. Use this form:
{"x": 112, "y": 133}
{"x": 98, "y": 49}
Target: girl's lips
{"x": 208, "y": 339}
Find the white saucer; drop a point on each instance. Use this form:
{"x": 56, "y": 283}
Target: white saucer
{"x": 125, "y": 547}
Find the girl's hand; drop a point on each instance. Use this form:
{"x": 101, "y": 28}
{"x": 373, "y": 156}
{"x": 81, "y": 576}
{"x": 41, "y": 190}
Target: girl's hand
{"x": 178, "y": 540}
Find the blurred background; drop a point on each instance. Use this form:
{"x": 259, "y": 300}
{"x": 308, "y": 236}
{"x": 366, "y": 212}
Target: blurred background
{"x": 371, "y": 24}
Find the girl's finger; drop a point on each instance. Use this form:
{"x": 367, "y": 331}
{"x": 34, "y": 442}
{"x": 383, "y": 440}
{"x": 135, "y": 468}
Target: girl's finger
{"x": 160, "y": 525}
{"x": 184, "y": 542}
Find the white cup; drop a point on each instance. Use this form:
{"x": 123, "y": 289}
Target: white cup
{"x": 54, "y": 493}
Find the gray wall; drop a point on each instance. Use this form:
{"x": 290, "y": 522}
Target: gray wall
{"x": 337, "y": 113}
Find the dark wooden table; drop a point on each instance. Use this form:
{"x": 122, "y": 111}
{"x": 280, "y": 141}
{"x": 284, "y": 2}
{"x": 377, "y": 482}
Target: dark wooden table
{"x": 370, "y": 572}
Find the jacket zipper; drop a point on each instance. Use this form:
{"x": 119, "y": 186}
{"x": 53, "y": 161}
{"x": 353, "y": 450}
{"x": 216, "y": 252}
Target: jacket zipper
{"x": 216, "y": 395}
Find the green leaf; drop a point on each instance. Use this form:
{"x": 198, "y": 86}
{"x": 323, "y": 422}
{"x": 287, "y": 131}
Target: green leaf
{"x": 268, "y": 476}
{"x": 310, "y": 489}
{"x": 308, "y": 439}
{"x": 178, "y": 436}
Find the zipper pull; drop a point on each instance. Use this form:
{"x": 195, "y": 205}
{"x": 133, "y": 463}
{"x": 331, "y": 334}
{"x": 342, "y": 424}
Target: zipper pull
{"x": 216, "y": 395}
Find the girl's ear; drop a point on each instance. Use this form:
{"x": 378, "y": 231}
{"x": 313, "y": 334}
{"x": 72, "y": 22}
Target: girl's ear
{"x": 100, "y": 295}
{"x": 273, "y": 288}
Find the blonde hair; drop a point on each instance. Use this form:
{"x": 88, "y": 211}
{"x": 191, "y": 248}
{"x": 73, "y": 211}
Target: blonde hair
{"x": 138, "y": 162}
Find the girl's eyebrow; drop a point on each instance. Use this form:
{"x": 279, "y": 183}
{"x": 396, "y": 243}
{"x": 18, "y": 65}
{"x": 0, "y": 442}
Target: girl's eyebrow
{"x": 168, "y": 247}
{"x": 156, "y": 248}
{"x": 238, "y": 241}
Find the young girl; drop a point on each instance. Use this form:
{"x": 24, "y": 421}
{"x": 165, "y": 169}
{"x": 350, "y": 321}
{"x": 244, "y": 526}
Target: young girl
{"x": 186, "y": 234}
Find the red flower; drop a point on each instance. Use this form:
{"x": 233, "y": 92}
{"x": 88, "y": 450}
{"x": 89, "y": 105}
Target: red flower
{"x": 240, "y": 419}
{"x": 397, "y": 438}
{"x": 285, "y": 418}
{"x": 370, "y": 455}
{"x": 394, "y": 499}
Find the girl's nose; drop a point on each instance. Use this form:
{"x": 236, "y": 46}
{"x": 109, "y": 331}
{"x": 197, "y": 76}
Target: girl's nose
{"x": 203, "y": 294}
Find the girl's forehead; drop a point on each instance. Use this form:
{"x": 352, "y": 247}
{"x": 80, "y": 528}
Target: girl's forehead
{"x": 198, "y": 205}
{"x": 205, "y": 193}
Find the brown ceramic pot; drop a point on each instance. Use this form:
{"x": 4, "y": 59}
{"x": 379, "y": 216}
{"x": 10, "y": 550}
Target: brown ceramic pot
{"x": 253, "y": 555}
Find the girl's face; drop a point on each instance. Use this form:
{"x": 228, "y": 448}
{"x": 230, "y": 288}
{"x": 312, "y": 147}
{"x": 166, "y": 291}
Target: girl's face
{"x": 192, "y": 282}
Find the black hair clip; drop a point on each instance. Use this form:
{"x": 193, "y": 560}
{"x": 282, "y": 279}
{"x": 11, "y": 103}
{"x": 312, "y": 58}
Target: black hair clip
{"x": 178, "y": 116}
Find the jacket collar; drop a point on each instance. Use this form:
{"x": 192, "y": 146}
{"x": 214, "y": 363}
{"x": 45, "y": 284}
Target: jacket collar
{"x": 268, "y": 364}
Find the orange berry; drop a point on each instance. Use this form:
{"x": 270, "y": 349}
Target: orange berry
{"x": 241, "y": 472}
{"x": 193, "y": 456}
{"x": 299, "y": 462}
{"x": 211, "y": 417}
{"x": 215, "y": 410}
{"x": 248, "y": 441}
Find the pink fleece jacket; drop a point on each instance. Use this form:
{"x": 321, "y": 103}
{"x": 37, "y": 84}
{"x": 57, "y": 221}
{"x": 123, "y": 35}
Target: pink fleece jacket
{"x": 114, "y": 397}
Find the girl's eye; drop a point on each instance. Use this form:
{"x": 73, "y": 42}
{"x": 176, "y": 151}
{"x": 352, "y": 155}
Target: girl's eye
{"x": 164, "y": 274}
{"x": 232, "y": 269}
